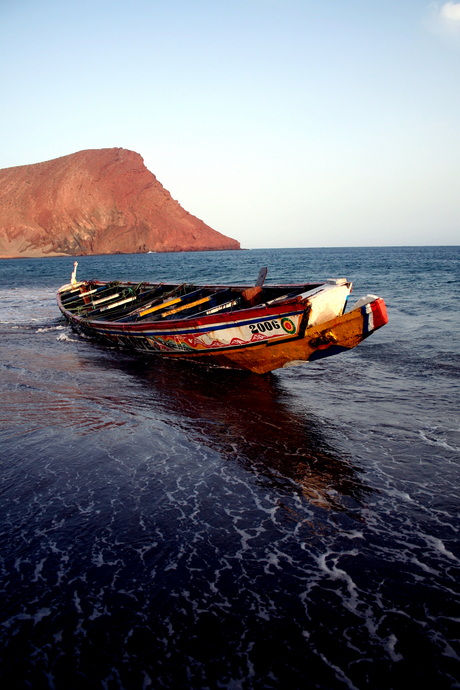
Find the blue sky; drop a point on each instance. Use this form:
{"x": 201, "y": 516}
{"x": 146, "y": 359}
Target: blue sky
{"x": 281, "y": 123}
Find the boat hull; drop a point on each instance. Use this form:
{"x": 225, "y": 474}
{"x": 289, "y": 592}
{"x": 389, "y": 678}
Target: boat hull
{"x": 259, "y": 339}
{"x": 333, "y": 337}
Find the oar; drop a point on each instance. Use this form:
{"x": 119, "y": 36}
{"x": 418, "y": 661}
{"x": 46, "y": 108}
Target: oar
{"x": 158, "y": 307}
{"x": 220, "y": 307}
{"x": 169, "y": 302}
{"x": 192, "y": 305}
{"x": 82, "y": 295}
{"x": 132, "y": 315}
{"x": 126, "y": 295}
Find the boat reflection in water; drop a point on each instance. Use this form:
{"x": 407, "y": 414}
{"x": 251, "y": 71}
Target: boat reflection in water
{"x": 251, "y": 419}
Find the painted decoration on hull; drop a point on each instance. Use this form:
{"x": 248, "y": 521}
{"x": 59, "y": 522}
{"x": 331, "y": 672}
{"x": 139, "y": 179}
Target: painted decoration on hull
{"x": 237, "y": 336}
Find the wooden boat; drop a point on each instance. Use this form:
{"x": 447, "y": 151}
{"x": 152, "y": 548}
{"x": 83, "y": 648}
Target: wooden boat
{"x": 258, "y": 328}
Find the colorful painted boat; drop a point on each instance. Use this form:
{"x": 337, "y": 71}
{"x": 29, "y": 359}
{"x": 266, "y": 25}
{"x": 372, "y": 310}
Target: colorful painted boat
{"x": 258, "y": 328}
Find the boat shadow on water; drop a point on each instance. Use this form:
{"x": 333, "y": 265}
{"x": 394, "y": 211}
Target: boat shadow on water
{"x": 251, "y": 419}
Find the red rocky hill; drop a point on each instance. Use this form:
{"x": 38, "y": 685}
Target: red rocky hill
{"x": 102, "y": 201}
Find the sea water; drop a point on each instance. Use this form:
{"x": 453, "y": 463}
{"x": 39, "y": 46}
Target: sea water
{"x": 170, "y": 525}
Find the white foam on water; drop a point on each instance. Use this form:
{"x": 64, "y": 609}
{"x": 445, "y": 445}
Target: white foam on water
{"x": 439, "y": 442}
{"x": 50, "y": 328}
{"x": 28, "y": 306}
{"x": 304, "y": 512}
{"x": 390, "y": 647}
{"x": 438, "y": 545}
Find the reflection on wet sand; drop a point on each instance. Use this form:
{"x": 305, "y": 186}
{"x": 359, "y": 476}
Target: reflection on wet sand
{"x": 249, "y": 418}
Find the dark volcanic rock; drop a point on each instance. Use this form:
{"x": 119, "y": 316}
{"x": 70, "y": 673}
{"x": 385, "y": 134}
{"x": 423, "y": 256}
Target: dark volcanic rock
{"x": 101, "y": 201}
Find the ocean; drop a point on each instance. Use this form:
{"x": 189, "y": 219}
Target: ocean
{"x": 170, "y": 525}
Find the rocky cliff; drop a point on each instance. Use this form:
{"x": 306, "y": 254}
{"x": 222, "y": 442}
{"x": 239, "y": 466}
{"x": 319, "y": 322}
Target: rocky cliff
{"x": 101, "y": 201}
